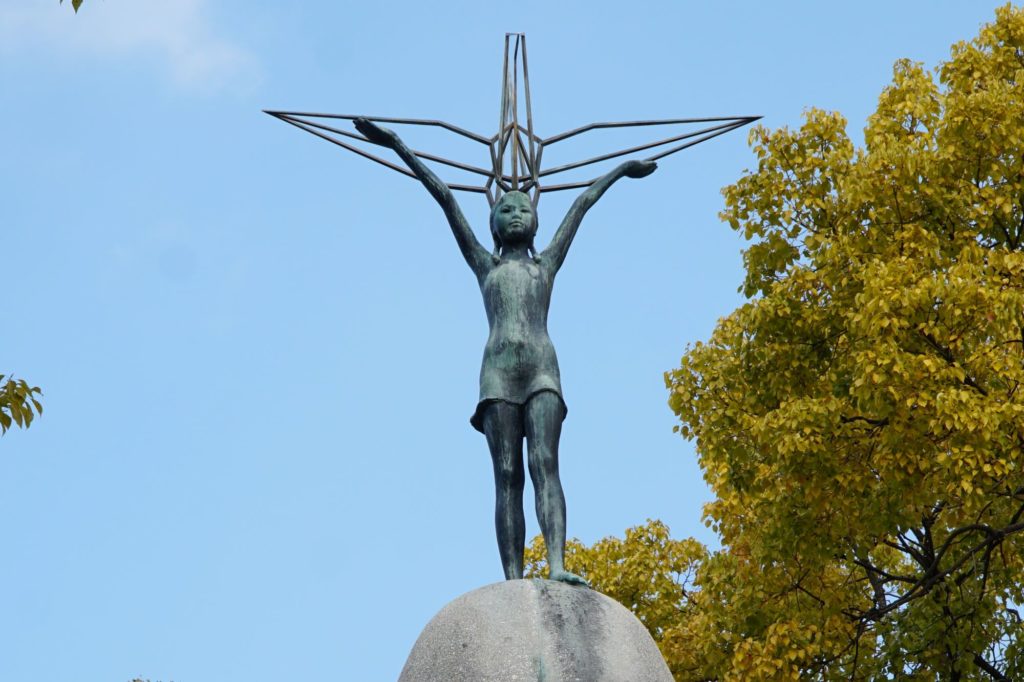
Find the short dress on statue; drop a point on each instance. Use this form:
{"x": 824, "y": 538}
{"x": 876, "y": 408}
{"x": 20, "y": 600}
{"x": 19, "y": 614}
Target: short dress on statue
{"x": 519, "y": 360}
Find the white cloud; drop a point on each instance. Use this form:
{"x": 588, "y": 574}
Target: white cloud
{"x": 178, "y": 33}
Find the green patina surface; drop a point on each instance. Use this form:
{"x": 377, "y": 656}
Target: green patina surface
{"x": 520, "y": 386}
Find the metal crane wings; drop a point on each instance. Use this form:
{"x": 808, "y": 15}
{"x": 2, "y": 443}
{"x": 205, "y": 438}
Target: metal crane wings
{"x": 515, "y": 151}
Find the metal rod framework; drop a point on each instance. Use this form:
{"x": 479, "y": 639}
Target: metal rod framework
{"x": 523, "y": 155}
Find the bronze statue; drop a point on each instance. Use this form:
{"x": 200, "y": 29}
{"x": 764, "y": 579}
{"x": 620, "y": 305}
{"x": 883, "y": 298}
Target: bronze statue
{"x": 520, "y": 388}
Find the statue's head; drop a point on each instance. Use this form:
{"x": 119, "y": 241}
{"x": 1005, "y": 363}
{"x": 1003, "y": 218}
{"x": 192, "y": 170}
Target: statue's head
{"x": 513, "y": 220}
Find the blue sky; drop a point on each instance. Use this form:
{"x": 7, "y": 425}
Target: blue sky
{"x": 259, "y": 353}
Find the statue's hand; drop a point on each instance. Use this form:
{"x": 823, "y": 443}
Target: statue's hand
{"x": 375, "y": 133}
{"x": 639, "y": 169}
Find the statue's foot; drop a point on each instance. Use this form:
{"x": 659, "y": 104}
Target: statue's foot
{"x": 564, "y": 576}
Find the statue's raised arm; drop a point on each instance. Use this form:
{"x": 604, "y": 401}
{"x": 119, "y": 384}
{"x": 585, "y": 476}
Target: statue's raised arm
{"x": 558, "y": 248}
{"x": 478, "y": 258}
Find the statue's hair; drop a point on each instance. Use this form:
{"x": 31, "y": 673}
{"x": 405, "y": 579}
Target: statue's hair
{"x": 494, "y": 214}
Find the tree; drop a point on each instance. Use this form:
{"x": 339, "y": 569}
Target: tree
{"x": 75, "y": 4}
{"x": 860, "y": 419}
{"x": 18, "y": 404}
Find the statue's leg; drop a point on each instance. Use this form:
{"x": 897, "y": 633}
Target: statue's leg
{"x": 503, "y": 426}
{"x": 543, "y": 421}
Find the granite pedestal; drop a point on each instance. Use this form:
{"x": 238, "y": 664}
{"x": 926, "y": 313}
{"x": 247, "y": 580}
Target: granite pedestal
{"x": 535, "y": 631}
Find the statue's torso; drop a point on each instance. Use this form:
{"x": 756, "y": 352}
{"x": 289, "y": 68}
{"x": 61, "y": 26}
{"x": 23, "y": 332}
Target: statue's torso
{"x": 519, "y": 359}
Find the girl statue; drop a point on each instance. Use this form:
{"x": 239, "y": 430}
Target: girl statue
{"x": 520, "y": 389}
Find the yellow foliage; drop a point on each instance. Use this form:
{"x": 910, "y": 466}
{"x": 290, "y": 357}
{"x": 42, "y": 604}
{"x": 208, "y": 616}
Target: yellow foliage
{"x": 860, "y": 419}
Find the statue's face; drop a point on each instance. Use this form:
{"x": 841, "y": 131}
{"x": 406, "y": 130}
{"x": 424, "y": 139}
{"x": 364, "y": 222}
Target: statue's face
{"x": 514, "y": 219}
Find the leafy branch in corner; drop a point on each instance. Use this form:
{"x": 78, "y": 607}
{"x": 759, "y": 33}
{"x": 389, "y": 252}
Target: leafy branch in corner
{"x": 18, "y": 403}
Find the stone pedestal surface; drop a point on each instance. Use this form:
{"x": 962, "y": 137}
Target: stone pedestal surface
{"x": 535, "y": 631}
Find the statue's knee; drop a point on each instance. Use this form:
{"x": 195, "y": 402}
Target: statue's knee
{"x": 543, "y": 466}
{"x": 508, "y": 475}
